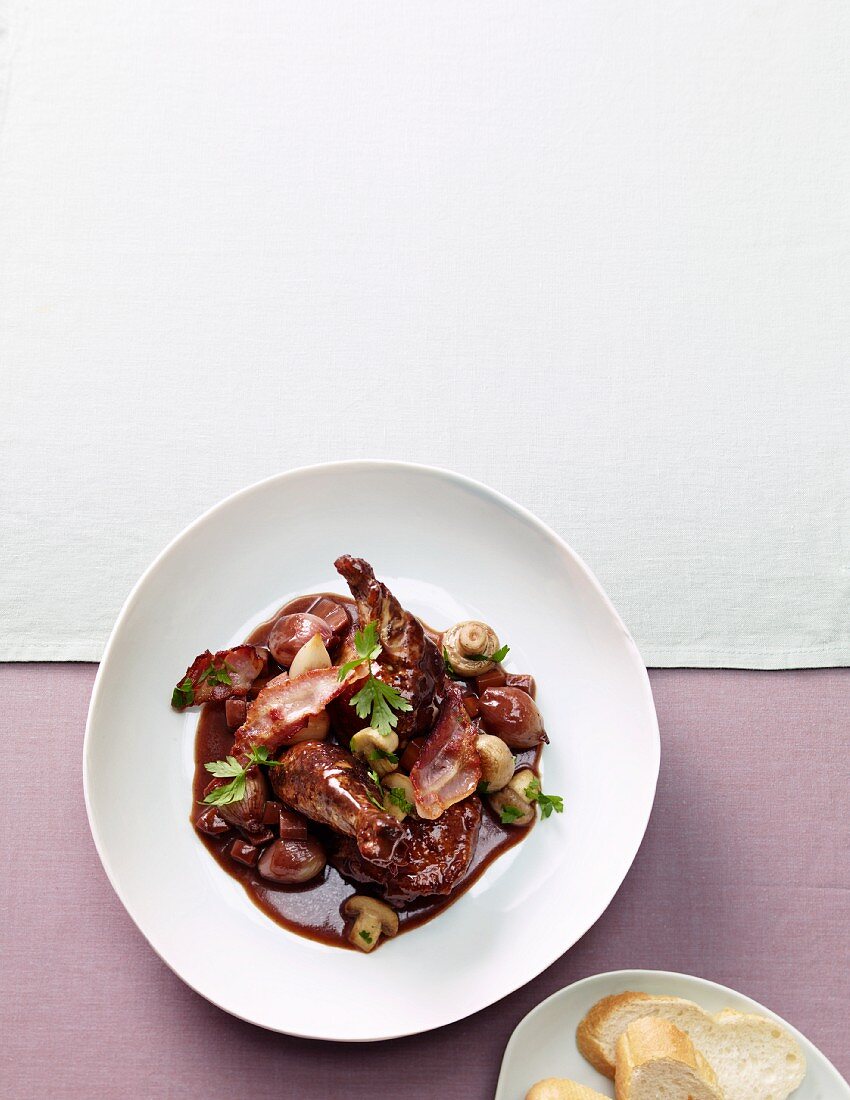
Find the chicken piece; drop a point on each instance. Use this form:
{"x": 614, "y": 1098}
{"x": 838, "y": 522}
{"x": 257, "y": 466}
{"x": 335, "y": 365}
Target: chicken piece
{"x": 219, "y": 676}
{"x": 409, "y": 661}
{"x": 325, "y": 783}
{"x": 285, "y": 706}
{"x": 436, "y": 857}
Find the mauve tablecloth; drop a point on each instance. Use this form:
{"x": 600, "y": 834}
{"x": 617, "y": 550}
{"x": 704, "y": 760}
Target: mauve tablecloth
{"x": 743, "y": 877}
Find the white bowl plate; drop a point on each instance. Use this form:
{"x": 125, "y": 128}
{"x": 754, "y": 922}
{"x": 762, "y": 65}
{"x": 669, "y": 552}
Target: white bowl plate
{"x": 450, "y": 549}
{"x": 544, "y": 1044}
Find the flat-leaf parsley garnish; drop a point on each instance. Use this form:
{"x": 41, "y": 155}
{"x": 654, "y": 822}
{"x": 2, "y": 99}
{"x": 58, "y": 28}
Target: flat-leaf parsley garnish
{"x": 220, "y": 675}
{"x": 546, "y": 802}
{"x": 496, "y": 657}
{"x": 398, "y": 796}
{"x": 509, "y": 814}
{"x": 230, "y": 768}
{"x": 184, "y": 694}
{"x": 376, "y": 700}
{"x": 449, "y": 670}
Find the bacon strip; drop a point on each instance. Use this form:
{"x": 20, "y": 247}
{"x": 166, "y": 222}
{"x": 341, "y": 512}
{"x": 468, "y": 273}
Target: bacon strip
{"x": 241, "y": 665}
{"x": 448, "y": 768}
{"x": 284, "y": 707}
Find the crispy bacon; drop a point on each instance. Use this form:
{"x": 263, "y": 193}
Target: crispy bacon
{"x": 219, "y": 676}
{"x": 448, "y": 768}
{"x": 284, "y": 707}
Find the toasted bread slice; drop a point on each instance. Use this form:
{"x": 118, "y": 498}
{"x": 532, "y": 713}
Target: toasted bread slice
{"x": 754, "y": 1058}
{"x": 556, "y": 1088}
{"x": 657, "y": 1061}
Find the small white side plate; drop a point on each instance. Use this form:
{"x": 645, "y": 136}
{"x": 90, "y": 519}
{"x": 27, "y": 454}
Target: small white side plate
{"x": 449, "y": 548}
{"x": 544, "y": 1045}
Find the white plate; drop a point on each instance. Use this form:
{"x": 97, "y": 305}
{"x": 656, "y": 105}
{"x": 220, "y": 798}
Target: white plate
{"x": 543, "y": 1043}
{"x": 449, "y": 548}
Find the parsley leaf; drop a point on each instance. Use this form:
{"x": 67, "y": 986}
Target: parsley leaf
{"x": 496, "y": 657}
{"x": 377, "y": 701}
{"x": 483, "y": 787}
{"x": 183, "y": 695}
{"x": 234, "y": 791}
{"x": 546, "y": 802}
{"x": 215, "y": 675}
{"x": 366, "y": 646}
{"x": 397, "y": 795}
{"x": 510, "y": 814}
{"x": 367, "y": 936}
{"x": 226, "y": 768}
{"x": 449, "y": 670}
{"x": 550, "y": 802}
{"x": 381, "y": 754}
{"x": 376, "y": 779}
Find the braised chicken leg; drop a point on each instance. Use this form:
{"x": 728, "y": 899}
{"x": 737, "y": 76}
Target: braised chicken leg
{"x": 409, "y": 660}
{"x": 325, "y": 783}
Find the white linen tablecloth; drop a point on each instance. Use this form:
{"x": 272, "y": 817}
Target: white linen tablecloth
{"x": 595, "y": 253}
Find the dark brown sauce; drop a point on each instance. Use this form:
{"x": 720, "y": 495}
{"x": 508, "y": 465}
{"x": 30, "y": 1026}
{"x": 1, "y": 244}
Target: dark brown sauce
{"x": 314, "y": 909}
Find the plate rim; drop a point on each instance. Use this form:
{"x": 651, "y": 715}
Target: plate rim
{"x": 642, "y": 974}
{"x": 365, "y": 464}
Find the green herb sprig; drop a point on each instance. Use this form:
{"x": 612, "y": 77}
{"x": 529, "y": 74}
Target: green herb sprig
{"x": 183, "y": 695}
{"x": 220, "y": 675}
{"x": 509, "y": 814}
{"x": 376, "y": 779}
{"x": 398, "y": 796}
{"x": 546, "y": 802}
{"x": 496, "y": 657}
{"x": 234, "y": 791}
{"x": 376, "y": 700}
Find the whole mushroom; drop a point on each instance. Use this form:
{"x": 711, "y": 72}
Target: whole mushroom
{"x": 372, "y": 919}
{"x": 497, "y": 761}
{"x": 377, "y": 749}
{"x": 512, "y": 804}
{"x": 469, "y": 646}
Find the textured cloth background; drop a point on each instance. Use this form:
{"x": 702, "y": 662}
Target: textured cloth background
{"x": 743, "y": 878}
{"x": 594, "y": 253}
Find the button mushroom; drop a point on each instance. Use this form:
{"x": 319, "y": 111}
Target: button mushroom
{"x": 510, "y": 713}
{"x": 469, "y": 646}
{"x": 312, "y": 654}
{"x": 372, "y": 919}
{"x": 399, "y": 799}
{"x": 377, "y": 749}
{"x": 512, "y": 804}
{"x": 497, "y": 761}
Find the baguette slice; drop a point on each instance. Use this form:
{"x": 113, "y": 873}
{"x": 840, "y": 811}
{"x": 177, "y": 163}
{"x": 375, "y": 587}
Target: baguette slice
{"x": 556, "y": 1088}
{"x": 657, "y": 1061}
{"x": 754, "y": 1058}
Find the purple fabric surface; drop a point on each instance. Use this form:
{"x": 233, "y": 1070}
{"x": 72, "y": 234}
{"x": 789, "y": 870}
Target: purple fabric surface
{"x": 743, "y": 878}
